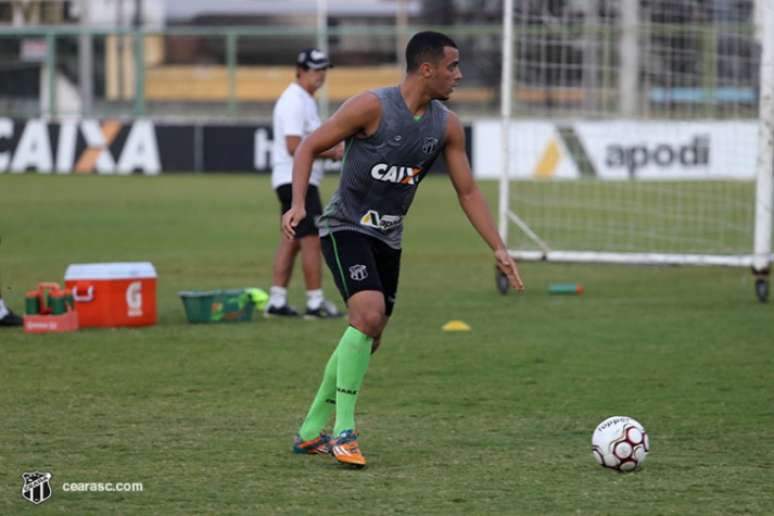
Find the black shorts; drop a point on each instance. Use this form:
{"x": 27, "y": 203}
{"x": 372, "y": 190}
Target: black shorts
{"x": 361, "y": 262}
{"x": 313, "y": 208}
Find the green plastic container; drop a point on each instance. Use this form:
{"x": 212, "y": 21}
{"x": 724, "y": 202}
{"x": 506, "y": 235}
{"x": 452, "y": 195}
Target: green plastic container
{"x": 32, "y": 303}
{"x": 565, "y": 288}
{"x": 217, "y": 306}
{"x": 56, "y": 301}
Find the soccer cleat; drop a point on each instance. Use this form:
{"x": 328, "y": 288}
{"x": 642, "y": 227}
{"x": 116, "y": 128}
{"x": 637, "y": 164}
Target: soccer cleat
{"x": 11, "y": 319}
{"x": 346, "y": 450}
{"x": 320, "y": 445}
{"x": 326, "y": 310}
{"x": 282, "y": 311}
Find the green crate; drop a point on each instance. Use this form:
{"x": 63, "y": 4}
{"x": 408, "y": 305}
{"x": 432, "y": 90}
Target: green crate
{"x": 217, "y": 306}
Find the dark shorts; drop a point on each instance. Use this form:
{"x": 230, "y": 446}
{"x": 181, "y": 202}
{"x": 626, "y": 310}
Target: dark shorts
{"x": 313, "y": 208}
{"x": 361, "y": 262}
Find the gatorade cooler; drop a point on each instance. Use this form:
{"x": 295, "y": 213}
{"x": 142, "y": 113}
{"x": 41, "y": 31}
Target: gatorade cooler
{"x": 113, "y": 294}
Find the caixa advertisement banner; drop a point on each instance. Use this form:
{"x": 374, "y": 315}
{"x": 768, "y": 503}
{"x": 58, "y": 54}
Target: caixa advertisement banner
{"x": 142, "y": 146}
{"x": 89, "y": 146}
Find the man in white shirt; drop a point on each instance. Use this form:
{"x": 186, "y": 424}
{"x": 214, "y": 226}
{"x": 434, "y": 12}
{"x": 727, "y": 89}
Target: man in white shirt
{"x": 295, "y": 116}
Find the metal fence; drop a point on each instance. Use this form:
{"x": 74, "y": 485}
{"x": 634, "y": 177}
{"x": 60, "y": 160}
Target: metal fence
{"x": 683, "y": 70}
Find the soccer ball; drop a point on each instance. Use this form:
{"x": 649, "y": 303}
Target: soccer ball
{"x": 620, "y": 443}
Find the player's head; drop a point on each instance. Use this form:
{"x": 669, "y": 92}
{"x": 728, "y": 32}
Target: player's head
{"x": 311, "y": 67}
{"x": 434, "y": 58}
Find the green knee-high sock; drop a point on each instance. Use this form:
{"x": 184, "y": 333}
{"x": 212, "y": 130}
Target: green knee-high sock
{"x": 323, "y": 404}
{"x": 354, "y": 352}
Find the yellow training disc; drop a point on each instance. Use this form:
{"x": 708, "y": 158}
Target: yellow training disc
{"x": 455, "y": 326}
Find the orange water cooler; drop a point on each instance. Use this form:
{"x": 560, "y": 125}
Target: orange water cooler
{"x": 113, "y": 294}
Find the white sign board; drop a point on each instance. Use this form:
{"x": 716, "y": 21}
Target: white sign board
{"x": 537, "y": 151}
{"x": 671, "y": 150}
{"x": 620, "y": 150}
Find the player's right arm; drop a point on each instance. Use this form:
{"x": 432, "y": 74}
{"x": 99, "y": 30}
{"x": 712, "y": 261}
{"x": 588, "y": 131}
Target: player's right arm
{"x": 472, "y": 200}
{"x": 357, "y": 116}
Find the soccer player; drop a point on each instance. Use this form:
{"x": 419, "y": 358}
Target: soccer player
{"x": 295, "y": 116}
{"x": 392, "y": 136}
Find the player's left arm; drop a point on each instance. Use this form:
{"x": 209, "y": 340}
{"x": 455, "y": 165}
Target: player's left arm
{"x": 472, "y": 200}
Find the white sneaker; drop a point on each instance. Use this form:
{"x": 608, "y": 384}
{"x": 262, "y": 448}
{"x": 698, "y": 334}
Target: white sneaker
{"x": 326, "y": 310}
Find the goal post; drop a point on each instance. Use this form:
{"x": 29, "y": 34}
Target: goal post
{"x": 506, "y": 98}
{"x": 638, "y": 132}
{"x": 764, "y": 191}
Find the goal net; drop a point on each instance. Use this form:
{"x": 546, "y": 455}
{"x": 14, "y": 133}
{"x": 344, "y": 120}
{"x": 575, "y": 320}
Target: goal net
{"x": 632, "y": 131}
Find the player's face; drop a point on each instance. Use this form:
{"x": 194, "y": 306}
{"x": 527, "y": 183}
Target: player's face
{"x": 446, "y": 74}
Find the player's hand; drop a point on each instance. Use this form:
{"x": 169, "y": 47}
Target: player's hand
{"x": 507, "y": 266}
{"x": 338, "y": 152}
{"x": 290, "y": 220}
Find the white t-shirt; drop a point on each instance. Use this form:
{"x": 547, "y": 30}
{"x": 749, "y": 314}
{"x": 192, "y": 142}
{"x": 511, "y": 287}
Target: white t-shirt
{"x": 295, "y": 114}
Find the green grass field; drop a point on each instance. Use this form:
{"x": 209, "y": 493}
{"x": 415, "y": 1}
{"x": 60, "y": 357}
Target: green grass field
{"x": 497, "y": 420}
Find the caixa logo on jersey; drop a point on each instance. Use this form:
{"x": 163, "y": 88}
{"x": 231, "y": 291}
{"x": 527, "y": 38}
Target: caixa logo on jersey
{"x": 37, "y": 487}
{"x": 399, "y": 174}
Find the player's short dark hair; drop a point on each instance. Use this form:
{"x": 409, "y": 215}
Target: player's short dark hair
{"x": 425, "y": 47}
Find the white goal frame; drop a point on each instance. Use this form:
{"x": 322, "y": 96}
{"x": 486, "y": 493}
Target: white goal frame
{"x": 760, "y": 256}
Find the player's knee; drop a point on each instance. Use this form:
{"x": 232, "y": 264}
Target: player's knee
{"x": 371, "y": 322}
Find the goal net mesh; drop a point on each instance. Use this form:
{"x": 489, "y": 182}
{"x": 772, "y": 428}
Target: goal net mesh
{"x": 634, "y": 126}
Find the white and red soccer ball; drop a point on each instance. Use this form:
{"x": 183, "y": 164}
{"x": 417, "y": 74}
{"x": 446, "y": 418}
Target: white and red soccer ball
{"x": 620, "y": 443}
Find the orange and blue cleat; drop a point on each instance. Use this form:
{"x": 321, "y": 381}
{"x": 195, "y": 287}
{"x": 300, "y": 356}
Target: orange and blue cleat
{"x": 346, "y": 450}
{"x": 320, "y": 445}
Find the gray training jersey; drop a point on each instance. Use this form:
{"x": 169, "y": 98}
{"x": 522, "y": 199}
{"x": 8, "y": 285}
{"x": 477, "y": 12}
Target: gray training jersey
{"x": 380, "y": 174}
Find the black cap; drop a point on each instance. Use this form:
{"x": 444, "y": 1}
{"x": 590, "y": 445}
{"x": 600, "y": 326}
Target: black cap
{"x": 313, "y": 59}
